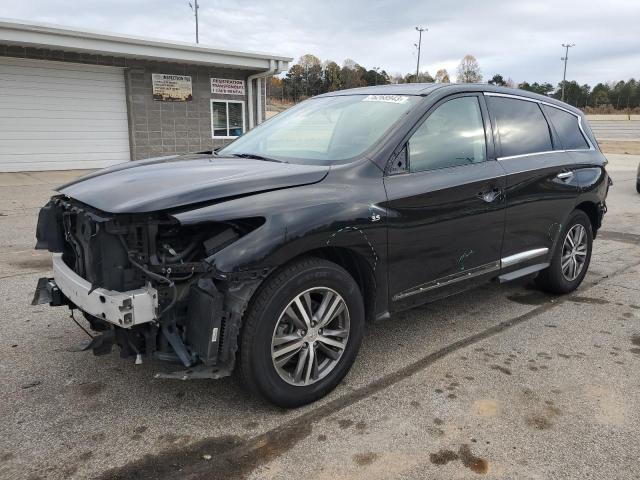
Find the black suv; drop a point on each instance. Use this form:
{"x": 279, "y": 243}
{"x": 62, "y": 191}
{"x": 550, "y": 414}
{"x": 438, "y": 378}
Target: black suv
{"x": 274, "y": 252}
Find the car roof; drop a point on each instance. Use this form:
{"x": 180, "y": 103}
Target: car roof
{"x": 392, "y": 89}
{"x": 424, "y": 89}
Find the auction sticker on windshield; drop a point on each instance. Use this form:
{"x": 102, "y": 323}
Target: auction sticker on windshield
{"x": 386, "y": 98}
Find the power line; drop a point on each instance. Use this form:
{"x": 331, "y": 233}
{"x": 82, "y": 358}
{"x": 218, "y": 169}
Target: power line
{"x": 566, "y": 46}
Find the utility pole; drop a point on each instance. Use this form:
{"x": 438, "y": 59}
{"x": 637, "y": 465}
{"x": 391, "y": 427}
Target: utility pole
{"x": 195, "y": 8}
{"x": 420, "y": 30}
{"x": 566, "y": 46}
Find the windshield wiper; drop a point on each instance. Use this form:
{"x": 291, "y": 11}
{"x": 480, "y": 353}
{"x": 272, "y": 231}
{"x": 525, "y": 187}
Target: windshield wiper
{"x": 256, "y": 157}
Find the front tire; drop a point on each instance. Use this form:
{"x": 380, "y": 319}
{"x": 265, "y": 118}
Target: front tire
{"x": 571, "y": 257}
{"x": 301, "y": 333}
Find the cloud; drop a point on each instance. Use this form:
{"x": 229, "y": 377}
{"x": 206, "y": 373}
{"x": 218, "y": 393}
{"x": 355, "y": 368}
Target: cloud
{"x": 518, "y": 39}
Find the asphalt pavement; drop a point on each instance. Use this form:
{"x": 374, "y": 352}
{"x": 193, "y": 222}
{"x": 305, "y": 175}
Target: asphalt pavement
{"x": 502, "y": 381}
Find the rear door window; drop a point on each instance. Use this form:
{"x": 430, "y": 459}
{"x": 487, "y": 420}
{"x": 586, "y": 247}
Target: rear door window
{"x": 567, "y": 128}
{"x": 452, "y": 135}
{"x": 522, "y": 128}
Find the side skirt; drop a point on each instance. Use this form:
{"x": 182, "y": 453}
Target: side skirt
{"x": 449, "y": 280}
{"x": 482, "y": 270}
{"x": 523, "y": 272}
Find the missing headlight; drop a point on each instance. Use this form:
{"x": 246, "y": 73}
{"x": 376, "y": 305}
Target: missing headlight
{"x": 219, "y": 241}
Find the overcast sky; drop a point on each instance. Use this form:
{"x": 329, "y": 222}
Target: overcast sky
{"x": 519, "y": 39}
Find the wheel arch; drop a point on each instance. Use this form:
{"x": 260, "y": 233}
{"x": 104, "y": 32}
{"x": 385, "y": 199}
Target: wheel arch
{"x": 591, "y": 210}
{"x": 352, "y": 261}
{"x": 359, "y": 269}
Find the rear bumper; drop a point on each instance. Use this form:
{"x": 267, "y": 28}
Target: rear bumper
{"x": 602, "y": 209}
{"x": 124, "y": 309}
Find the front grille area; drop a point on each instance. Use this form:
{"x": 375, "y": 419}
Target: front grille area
{"x": 125, "y": 252}
{"x": 93, "y": 248}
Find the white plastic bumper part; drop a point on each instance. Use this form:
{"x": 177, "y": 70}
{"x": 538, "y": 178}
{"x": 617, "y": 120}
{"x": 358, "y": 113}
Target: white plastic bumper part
{"x": 124, "y": 309}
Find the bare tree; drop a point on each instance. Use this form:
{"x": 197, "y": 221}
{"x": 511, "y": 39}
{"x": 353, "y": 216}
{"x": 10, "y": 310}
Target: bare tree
{"x": 425, "y": 77}
{"x": 469, "y": 70}
{"x": 442, "y": 76}
{"x": 397, "y": 78}
{"x": 311, "y": 77}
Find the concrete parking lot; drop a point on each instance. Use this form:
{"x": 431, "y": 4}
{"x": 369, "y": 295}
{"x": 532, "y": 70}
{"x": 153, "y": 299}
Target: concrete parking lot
{"x": 502, "y": 382}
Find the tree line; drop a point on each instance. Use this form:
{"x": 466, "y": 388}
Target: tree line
{"x": 310, "y": 76}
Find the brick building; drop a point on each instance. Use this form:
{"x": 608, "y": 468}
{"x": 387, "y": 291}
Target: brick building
{"x": 77, "y": 99}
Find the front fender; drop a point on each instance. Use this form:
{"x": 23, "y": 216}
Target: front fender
{"x": 294, "y": 225}
{"x": 343, "y": 212}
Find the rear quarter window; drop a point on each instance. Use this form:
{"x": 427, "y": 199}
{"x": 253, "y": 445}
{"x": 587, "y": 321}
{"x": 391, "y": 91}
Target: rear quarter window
{"x": 567, "y": 127}
{"x": 522, "y": 128}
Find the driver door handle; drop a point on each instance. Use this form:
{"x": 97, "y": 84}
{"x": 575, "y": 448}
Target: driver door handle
{"x": 565, "y": 175}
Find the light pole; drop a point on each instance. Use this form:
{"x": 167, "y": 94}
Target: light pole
{"x": 195, "y": 8}
{"x": 566, "y": 46}
{"x": 420, "y": 30}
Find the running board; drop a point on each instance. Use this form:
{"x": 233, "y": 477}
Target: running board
{"x": 523, "y": 272}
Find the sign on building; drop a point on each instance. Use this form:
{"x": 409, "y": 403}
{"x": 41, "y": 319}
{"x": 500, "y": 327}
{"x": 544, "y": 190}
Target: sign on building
{"x": 227, "y": 86}
{"x": 171, "y": 88}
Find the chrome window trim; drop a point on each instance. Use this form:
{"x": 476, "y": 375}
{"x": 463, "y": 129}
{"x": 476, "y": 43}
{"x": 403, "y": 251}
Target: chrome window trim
{"x": 523, "y": 256}
{"x": 542, "y": 102}
{"x": 511, "y": 157}
{"x": 544, "y": 153}
{"x": 586, "y": 137}
{"x": 534, "y": 100}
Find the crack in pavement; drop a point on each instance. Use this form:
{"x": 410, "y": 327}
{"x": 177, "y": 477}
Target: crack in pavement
{"x": 625, "y": 287}
{"x": 22, "y": 274}
{"x": 239, "y": 460}
{"x": 632, "y": 238}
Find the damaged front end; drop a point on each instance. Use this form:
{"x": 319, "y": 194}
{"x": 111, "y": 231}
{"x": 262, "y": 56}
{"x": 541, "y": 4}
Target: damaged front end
{"x": 147, "y": 283}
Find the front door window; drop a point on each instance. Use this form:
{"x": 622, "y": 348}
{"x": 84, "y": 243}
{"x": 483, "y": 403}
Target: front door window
{"x": 452, "y": 135}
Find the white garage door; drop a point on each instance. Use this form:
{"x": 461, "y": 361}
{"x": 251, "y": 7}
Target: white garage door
{"x": 59, "y": 116}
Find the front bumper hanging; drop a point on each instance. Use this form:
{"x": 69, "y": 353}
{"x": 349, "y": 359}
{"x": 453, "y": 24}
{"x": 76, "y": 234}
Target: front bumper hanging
{"x": 124, "y": 309}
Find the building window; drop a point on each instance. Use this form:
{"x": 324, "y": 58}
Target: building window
{"x": 227, "y": 118}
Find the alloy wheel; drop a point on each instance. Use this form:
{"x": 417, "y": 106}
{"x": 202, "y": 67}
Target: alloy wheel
{"x": 310, "y": 336}
{"x": 574, "y": 252}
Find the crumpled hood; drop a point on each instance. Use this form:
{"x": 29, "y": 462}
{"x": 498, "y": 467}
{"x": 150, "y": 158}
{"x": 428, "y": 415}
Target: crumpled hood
{"x": 171, "y": 182}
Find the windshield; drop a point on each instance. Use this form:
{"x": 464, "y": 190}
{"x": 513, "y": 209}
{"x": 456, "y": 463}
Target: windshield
{"x": 324, "y": 129}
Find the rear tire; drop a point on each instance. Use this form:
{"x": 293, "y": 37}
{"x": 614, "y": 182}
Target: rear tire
{"x": 322, "y": 344}
{"x": 571, "y": 257}
{"x": 638, "y": 186}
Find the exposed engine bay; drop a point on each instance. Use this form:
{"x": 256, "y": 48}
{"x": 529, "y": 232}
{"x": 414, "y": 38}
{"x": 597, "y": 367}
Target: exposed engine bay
{"x": 147, "y": 284}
